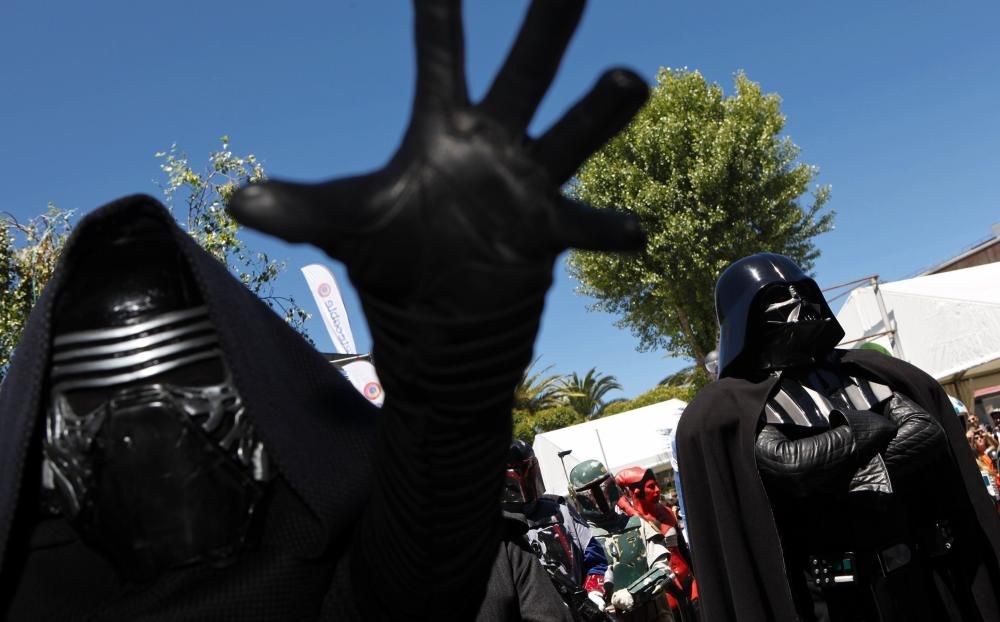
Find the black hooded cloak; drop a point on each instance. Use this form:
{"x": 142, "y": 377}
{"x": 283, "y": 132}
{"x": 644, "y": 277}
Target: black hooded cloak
{"x": 734, "y": 539}
{"x": 323, "y": 438}
{"x": 316, "y": 426}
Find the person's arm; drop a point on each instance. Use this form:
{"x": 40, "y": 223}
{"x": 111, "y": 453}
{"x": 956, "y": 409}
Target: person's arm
{"x": 538, "y": 600}
{"x": 803, "y": 466}
{"x": 451, "y": 247}
{"x": 919, "y": 438}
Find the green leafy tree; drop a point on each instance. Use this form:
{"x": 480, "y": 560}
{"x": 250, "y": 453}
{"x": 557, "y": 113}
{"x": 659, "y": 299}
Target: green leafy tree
{"x": 586, "y": 395}
{"x": 537, "y": 390}
{"x": 712, "y": 180}
{"x": 657, "y": 394}
{"x": 527, "y": 424}
{"x": 29, "y": 250}
{"x": 204, "y": 195}
{"x": 28, "y": 255}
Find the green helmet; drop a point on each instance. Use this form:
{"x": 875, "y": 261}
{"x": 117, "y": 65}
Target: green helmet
{"x": 596, "y": 491}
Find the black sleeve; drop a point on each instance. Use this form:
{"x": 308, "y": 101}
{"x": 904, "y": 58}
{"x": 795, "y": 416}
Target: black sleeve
{"x": 537, "y": 599}
{"x": 813, "y": 463}
{"x": 918, "y": 441}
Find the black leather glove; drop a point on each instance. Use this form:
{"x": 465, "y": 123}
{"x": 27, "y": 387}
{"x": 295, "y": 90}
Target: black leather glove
{"x": 468, "y": 196}
{"x": 823, "y": 461}
{"x": 451, "y": 246}
{"x": 919, "y": 440}
{"x": 872, "y": 431}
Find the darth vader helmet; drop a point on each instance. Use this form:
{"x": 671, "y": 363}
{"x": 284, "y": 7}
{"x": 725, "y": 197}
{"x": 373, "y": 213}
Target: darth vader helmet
{"x": 772, "y": 316}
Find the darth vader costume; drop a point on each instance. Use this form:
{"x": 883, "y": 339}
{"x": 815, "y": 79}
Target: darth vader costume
{"x": 170, "y": 449}
{"x": 824, "y": 484}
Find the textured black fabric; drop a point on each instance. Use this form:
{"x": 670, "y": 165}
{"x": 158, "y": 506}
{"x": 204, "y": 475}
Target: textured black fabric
{"x": 828, "y": 457}
{"x": 919, "y": 438}
{"x": 318, "y": 429}
{"x": 520, "y": 589}
{"x": 734, "y": 539}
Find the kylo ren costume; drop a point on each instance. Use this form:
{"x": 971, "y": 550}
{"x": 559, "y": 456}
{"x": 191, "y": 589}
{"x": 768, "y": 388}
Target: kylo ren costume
{"x": 824, "y": 484}
{"x": 169, "y": 449}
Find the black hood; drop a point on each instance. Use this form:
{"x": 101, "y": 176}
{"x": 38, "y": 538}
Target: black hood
{"x": 318, "y": 429}
{"x": 737, "y": 289}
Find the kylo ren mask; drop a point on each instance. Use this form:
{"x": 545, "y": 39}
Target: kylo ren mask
{"x": 147, "y": 449}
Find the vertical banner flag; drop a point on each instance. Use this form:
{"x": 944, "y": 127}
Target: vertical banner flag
{"x": 331, "y": 307}
{"x": 325, "y": 292}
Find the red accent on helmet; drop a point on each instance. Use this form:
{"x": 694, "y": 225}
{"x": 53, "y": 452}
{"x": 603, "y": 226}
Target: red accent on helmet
{"x": 630, "y": 477}
{"x": 594, "y": 583}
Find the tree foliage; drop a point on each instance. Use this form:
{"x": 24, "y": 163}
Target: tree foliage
{"x": 586, "y": 395}
{"x": 204, "y": 195}
{"x": 28, "y": 255}
{"x": 29, "y": 250}
{"x": 657, "y": 394}
{"x": 537, "y": 390}
{"x": 544, "y": 401}
{"x": 528, "y": 424}
{"x": 712, "y": 180}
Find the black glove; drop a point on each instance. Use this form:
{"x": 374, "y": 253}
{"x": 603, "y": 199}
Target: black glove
{"x": 451, "y": 246}
{"x": 872, "y": 432}
{"x": 468, "y": 197}
{"x": 919, "y": 441}
{"x": 824, "y": 461}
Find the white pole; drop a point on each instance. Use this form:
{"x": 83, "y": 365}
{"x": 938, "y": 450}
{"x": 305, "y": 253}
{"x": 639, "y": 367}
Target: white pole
{"x": 897, "y": 348}
{"x": 607, "y": 464}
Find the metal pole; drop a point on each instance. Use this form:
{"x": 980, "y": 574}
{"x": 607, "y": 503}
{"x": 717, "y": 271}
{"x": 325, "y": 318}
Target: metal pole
{"x": 603, "y": 455}
{"x": 897, "y": 349}
{"x": 562, "y": 460}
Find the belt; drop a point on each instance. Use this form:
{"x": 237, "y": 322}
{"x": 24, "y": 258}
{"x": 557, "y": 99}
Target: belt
{"x": 848, "y": 567}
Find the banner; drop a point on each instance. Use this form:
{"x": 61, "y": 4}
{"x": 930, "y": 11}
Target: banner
{"x": 331, "y": 307}
{"x": 362, "y": 376}
{"x": 359, "y": 371}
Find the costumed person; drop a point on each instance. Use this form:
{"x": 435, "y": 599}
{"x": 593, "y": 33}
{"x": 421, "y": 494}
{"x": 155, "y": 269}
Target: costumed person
{"x": 519, "y": 588}
{"x": 639, "y": 571}
{"x": 823, "y": 484}
{"x": 712, "y": 369}
{"x": 171, "y": 449}
{"x": 559, "y": 536}
{"x": 646, "y": 495}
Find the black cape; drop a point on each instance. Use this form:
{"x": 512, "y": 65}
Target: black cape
{"x": 734, "y": 540}
{"x": 319, "y": 430}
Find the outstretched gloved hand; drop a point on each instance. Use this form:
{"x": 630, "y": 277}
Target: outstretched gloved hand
{"x": 467, "y": 191}
{"x": 451, "y": 246}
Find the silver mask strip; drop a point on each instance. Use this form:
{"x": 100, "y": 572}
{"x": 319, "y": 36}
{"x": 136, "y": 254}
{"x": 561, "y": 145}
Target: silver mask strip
{"x": 119, "y": 332}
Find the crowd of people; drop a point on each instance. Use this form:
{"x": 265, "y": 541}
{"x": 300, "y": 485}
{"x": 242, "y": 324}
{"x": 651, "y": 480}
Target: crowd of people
{"x": 984, "y": 439}
{"x": 613, "y": 548}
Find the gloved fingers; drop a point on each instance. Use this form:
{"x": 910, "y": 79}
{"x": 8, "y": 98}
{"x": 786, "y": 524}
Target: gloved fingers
{"x": 527, "y": 73}
{"x": 440, "y": 56}
{"x": 584, "y": 227}
{"x": 314, "y": 213}
{"x": 595, "y": 119}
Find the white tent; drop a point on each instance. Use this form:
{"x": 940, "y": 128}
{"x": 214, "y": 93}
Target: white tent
{"x": 947, "y": 324}
{"x": 639, "y": 437}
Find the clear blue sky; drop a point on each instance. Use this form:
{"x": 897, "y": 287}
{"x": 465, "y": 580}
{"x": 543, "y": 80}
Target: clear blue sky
{"x": 896, "y": 102}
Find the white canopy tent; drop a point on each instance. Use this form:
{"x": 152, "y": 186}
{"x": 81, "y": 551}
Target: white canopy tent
{"x": 947, "y": 324}
{"x": 639, "y": 437}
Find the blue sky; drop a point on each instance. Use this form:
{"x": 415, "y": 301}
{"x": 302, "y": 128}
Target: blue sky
{"x": 896, "y": 103}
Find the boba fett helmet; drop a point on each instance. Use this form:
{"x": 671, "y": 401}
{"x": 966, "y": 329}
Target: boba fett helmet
{"x": 595, "y": 489}
{"x": 523, "y": 482}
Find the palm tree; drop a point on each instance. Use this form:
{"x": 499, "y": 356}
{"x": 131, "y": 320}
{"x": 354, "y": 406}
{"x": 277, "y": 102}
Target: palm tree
{"x": 586, "y": 395}
{"x": 536, "y": 391}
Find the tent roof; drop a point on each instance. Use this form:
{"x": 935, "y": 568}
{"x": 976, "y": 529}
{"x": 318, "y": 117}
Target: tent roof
{"x": 946, "y": 323}
{"x": 636, "y": 437}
